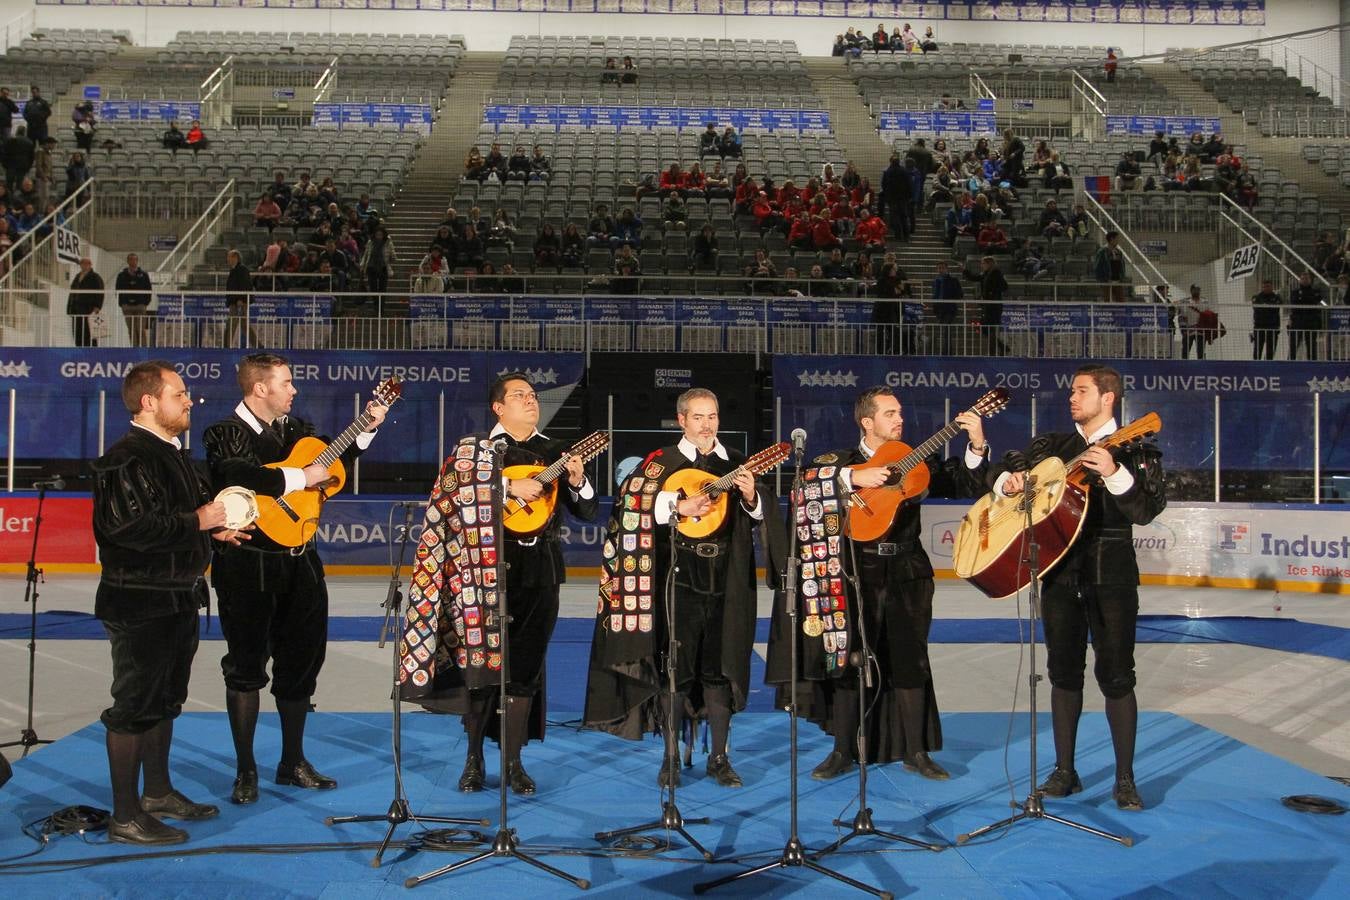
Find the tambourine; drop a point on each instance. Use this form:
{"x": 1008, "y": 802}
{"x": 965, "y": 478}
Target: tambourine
{"x": 241, "y": 507}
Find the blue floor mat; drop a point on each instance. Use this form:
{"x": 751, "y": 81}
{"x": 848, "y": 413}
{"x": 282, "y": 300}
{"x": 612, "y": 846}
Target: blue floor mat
{"x": 1214, "y": 825}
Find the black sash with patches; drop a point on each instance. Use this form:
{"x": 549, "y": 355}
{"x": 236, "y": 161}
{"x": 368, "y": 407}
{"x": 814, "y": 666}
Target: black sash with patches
{"x": 451, "y": 621}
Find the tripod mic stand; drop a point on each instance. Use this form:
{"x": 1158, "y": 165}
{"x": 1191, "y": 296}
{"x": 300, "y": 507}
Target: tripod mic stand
{"x": 505, "y": 844}
{"x": 398, "y": 811}
{"x": 28, "y": 738}
{"x": 862, "y": 824}
{"x": 794, "y": 853}
{"x": 1033, "y": 807}
{"x": 671, "y": 819}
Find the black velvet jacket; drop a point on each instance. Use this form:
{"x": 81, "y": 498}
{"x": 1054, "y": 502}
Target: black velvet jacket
{"x": 146, "y": 495}
{"x": 1104, "y": 551}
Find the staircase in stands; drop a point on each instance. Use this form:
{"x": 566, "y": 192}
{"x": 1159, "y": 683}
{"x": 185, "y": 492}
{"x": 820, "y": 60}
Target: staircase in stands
{"x": 856, "y": 132}
{"x": 430, "y": 184}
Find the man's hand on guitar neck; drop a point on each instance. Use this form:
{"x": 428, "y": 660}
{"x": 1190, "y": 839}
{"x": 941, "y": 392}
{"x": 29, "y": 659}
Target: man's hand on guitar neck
{"x": 377, "y": 412}
{"x": 576, "y": 473}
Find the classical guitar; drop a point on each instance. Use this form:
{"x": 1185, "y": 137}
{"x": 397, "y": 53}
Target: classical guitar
{"x": 872, "y": 510}
{"x": 989, "y": 545}
{"x": 528, "y": 519}
{"x": 292, "y": 519}
{"x": 692, "y": 482}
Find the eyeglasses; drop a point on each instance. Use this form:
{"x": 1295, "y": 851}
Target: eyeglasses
{"x": 522, "y": 395}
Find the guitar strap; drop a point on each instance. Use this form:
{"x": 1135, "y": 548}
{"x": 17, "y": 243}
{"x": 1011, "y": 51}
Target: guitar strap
{"x": 628, "y": 566}
{"x": 824, "y": 608}
{"x": 451, "y": 617}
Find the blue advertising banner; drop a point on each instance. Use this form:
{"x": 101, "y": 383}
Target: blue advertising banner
{"x": 64, "y": 385}
{"x": 1180, "y": 126}
{"x": 817, "y": 394}
{"x": 394, "y": 116}
{"x": 149, "y": 110}
{"x": 938, "y": 122}
{"x": 649, "y": 117}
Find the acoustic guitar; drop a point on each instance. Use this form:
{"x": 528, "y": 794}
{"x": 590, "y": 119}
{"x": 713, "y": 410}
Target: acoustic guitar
{"x": 872, "y": 510}
{"x": 528, "y": 519}
{"x": 989, "y": 544}
{"x": 292, "y": 519}
{"x": 693, "y": 482}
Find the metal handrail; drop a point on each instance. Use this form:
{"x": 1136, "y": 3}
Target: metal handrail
{"x": 1244, "y": 216}
{"x": 223, "y": 204}
{"x": 1086, "y": 90}
{"x": 978, "y": 88}
{"x": 26, "y": 243}
{"x": 25, "y": 23}
{"x": 1340, "y": 87}
{"x": 216, "y": 79}
{"x": 1140, "y": 261}
{"x": 323, "y": 88}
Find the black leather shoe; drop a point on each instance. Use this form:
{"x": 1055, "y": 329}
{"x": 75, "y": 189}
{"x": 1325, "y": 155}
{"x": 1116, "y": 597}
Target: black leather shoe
{"x": 302, "y": 775}
{"x": 145, "y": 829}
{"x": 832, "y": 766}
{"x": 669, "y": 776}
{"x": 1126, "y": 794}
{"x": 176, "y": 806}
{"x": 719, "y": 768}
{"x": 471, "y": 779}
{"x": 1061, "y": 783}
{"x": 922, "y": 763}
{"x": 518, "y": 778}
{"x": 245, "y": 788}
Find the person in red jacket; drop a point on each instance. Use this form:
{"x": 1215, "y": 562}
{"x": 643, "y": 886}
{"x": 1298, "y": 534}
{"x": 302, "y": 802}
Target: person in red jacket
{"x": 992, "y": 238}
{"x": 765, "y": 215}
{"x": 871, "y": 232}
{"x": 695, "y": 183}
{"x": 787, "y": 193}
{"x": 672, "y": 179}
{"x": 841, "y": 217}
{"x": 746, "y": 194}
{"x": 800, "y": 235}
{"x": 834, "y": 192}
{"x": 822, "y": 234}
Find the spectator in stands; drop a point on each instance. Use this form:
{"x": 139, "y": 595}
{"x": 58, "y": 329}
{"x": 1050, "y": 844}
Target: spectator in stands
{"x": 1189, "y": 322}
{"x": 1340, "y": 293}
{"x": 895, "y": 201}
{"x": 86, "y": 297}
{"x": 762, "y": 274}
{"x": 1158, "y": 149}
{"x": 766, "y": 216}
{"x": 8, "y": 110}
{"x": 77, "y": 173}
{"x": 1058, "y": 175}
{"x": 958, "y": 221}
{"x": 799, "y": 231}
{"x": 747, "y": 192}
{"x": 486, "y": 282}
{"x": 946, "y": 287}
{"x": 267, "y": 214}
{"x": 862, "y": 196}
{"x": 839, "y": 48}
{"x": 510, "y": 281}
{"x": 196, "y": 138}
{"x": 694, "y": 183}
{"x": 943, "y": 188}
{"x": 611, "y": 73}
{"x": 174, "y": 140}
{"x": 475, "y": 168}
{"x": 377, "y": 261}
{"x": 541, "y": 168}
{"x": 348, "y": 244}
{"x": 494, "y": 164}
{"x": 922, "y": 156}
{"x": 502, "y": 231}
{"x": 854, "y": 41}
{"x": 1213, "y": 148}
{"x": 982, "y": 148}
{"x": 573, "y": 246}
{"x": 836, "y": 268}
{"x": 1031, "y": 262}
{"x": 36, "y": 112}
{"x": 841, "y": 217}
{"x": 44, "y": 167}
{"x": 672, "y": 179}
{"x": 981, "y": 213}
{"x": 880, "y": 40}
{"x": 329, "y": 196}
{"x": 238, "y": 285}
{"x": 675, "y": 212}
{"x": 1040, "y": 157}
{"x": 1127, "y": 172}
{"x": 630, "y": 71}
{"x": 84, "y": 123}
{"x": 627, "y": 268}
{"x": 601, "y": 227}
{"x": 929, "y": 43}
{"x": 471, "y": 247}
{"x": 6, "y": 241}
{"x": 547, "y": 247}
{"x": 716, "y": 183}
{"x": 992, "y": 238}
{"x": 850, "y": 179}
{"x": 339, "y": 264}
{"x": 1323, "y": 248}
{"x": 909, "y": 41}
{"x": 710, "y": 142}
{"x": 1265, "y": 321}
{"x": 1052, "y": 223}
{"x": 1108, "y": 267}
{"x": 705, "y": 252}
{"x": 1305, "y": 317}
{"x": 822, "y": 234}
{"x": 133, "y": 296}
{"x": 518, "y": 166}
{"x": 992, "y": 287}
{"x": 1110, "y": 65}
{"x": 916, "y": 181}
{"x": 627, "y": 230}
{"x": 886, "y": 309}
{"x": 18, "y": 154}
{"x": 1013, "y": 153}
{"x": 871, "y": 232}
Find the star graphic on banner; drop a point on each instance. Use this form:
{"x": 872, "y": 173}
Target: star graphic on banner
{"x": 1328, "y": 385}
{"x": 548, "y": 376}
{"x": 850, "y": 380}
{"x": 22, "y": 369}
{"x": 14, "y": 369}
{"x": 803, "y": 379}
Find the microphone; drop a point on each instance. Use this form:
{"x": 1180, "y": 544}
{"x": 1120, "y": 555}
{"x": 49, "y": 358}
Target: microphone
{"x": 798, "y": 440}
{"x": 499, "y": 445}
{"x": 52, "y": 484}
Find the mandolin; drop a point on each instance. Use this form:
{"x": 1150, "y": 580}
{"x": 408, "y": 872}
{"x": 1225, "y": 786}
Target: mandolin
{"x": 528, "y": 519}
{"x": 872, "y": 510}
{"x": 691, "y": 482}
{"x": 988, "y": 551}
{"x": 292, "y": 519}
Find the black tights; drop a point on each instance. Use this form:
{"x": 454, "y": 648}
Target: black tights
{"x": 1122, "y": 715}
{"x": 242, "y": 707}
{"x": 128, "y": 756}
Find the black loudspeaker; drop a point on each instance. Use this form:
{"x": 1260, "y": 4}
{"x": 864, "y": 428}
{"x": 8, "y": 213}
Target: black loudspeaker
{"x": 5, "y": 771}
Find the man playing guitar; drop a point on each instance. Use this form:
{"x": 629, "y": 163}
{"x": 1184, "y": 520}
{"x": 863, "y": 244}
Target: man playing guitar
{"x": 1093, "y": 590}
{"x": 273, "y": 599}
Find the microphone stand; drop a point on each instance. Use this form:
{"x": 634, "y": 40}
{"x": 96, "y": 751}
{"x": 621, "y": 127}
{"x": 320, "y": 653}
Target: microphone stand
{"x": 862, "y": 824}
{"x": 794, "y": 853}
{"x": 28, "y": 738}
{"x": 671, "y": 819}
{"x": 1033, "y": 807}
{"x": 398, "y": 811}
{"x": 505, "y": 844}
